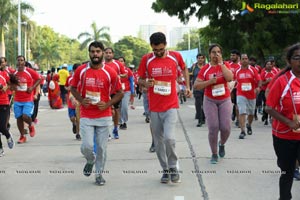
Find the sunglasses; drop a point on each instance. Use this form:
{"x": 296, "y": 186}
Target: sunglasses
{"x": 296, "y": 57}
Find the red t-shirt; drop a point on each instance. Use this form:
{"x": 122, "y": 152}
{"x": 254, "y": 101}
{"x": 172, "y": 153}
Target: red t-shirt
{"x": 3, "y": 95}
{"x": 96, "y": 84}
{"x": 265, "y": 75}
{"x": 220, "y": 89}
{"x": 234, "y": 66}
{"x": 8, "y": 71}
{"x": 163, "y": 95}
{"x": 70, "y": 96}
{"x": 125, "y": 81}
{"x": 27, "y": 78}
{"x": 247, "y": 80}
{"x": 280, "y": 99}
{"x": 117, "y": 66}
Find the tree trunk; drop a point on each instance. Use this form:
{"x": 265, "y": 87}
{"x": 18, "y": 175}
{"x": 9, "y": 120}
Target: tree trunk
{"x": 2, "y": 43}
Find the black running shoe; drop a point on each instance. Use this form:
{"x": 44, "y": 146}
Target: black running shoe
{"x": 249, "y": 129}
{"x": 87, "y": 170}
{"x": 242, "y": 135}
{"x": 165, "y": 177}
{"x": 100, "y": 180}
{"x": 175, "y": 177}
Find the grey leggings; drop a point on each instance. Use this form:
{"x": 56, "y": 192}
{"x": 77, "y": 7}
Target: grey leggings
{"x": 218, "y": 117}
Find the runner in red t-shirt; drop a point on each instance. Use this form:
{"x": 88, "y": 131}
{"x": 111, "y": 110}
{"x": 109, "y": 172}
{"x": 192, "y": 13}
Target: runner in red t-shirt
{"x": 72, "y": 103}
{"x": 283, "y": 104}
{"x": 91, "y": 86}
{"x": 5, "y": 110}
{"x": 217, "y": 106}
{"x": 248, "y": 83}
{"x": 128, "y": 88}
{"x": 235, "y": 57}
{"x": 158, "y": 72}
{"x": 23, "y": 100}
{"x": 120, "y": 70}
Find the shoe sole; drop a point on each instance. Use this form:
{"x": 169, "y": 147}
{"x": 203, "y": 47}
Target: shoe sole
{"x": 165, "y": 182}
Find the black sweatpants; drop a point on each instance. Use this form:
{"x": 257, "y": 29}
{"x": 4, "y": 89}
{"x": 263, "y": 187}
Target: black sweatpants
{"x": 287, "y": 151}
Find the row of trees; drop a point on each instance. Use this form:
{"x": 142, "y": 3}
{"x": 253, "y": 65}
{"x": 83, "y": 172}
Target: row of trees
{"x": 259, "y": 34}
{"x": 45, "y": 47}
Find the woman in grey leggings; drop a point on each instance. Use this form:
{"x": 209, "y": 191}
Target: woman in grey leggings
{"x": 217, "y": 106}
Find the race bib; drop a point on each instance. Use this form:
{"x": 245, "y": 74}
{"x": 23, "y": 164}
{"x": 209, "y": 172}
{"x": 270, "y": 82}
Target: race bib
{"x": 246, "y": 86}
{"x": 123, "y": 86}
{"x": 218, "y": 90}
{"x": 22, "y": 87}
{"x": 162, "y": 88}
{"x": 93, "y": 96}
{"x": 297, "y": 118}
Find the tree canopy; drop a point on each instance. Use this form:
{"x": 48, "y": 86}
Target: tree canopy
{"x": 257, "y": 33}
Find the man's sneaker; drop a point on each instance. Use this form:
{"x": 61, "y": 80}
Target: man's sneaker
{"x": 199, "y": 123}
{"x": 10, "y": 142}
{"x": 175, "y": 177}
{"x": 87, "y": 170}
{"x": 147, "y": 120}
{"x": 242, "y": 135}
{"x": 31, "y": 130}
{"x": 100, "y": 180}
{"x": 115, "y": 133}
{"x": 249, "y": 129}
{"x": 297, "y": 174}
{"x": 123, "y": 126}
{"x": 22, "y": 139}
{"x": 214, "y": 159}
{"x": 78, "y": 137}
{"x": 1, "y": 152}
{"x": 266, "y": 122}
{"x": 152, "y": 148}
{"x": 165, "y": 177}
{"x": 109, "y": 137}
{"x": 221, "y": 150}
{"x": 74, "y": 129}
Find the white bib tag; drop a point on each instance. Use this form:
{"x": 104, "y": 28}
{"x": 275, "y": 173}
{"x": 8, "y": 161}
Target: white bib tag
{"x": 123, "y": 86}
{"x": 93, "y": 96}
{"x": 218, "y": 90}
{"x": 246, "y": 86}
{"x": 162, "y": 88}
{"x": 22, "y": 87}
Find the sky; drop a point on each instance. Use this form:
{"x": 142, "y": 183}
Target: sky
{"x": 72, "y": 17}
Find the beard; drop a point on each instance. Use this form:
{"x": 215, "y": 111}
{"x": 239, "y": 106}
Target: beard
{"x": 95, "y": 60}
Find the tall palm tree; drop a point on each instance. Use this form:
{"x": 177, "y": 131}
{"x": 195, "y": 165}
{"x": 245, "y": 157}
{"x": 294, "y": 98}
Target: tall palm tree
{"x": 8, "y": 15}
{"x": 49, "y": 53}
{"x": 97, "y": 34}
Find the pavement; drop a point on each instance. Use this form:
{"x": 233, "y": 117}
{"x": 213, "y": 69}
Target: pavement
{"x": 49, "y": 166}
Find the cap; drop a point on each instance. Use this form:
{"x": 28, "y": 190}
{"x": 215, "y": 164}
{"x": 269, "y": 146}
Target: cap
{"x": 65, "y": 66}
{"x": 271, "y": 58}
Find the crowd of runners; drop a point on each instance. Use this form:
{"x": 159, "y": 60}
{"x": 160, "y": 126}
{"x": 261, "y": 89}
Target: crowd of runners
{"x": 99, "y": 92}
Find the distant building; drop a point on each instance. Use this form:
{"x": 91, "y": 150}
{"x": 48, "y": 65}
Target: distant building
{"x": 176, "y": 35}
{"x": 146, "y": 31}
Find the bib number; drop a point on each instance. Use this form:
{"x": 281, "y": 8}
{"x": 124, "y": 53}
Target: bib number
{"x": 246, "y": 86}
{"x": 93, "y": 96}
{"x": 162, "y": 88}
{"x": 218, "y": 90}
{"x": 22, "y": 87}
